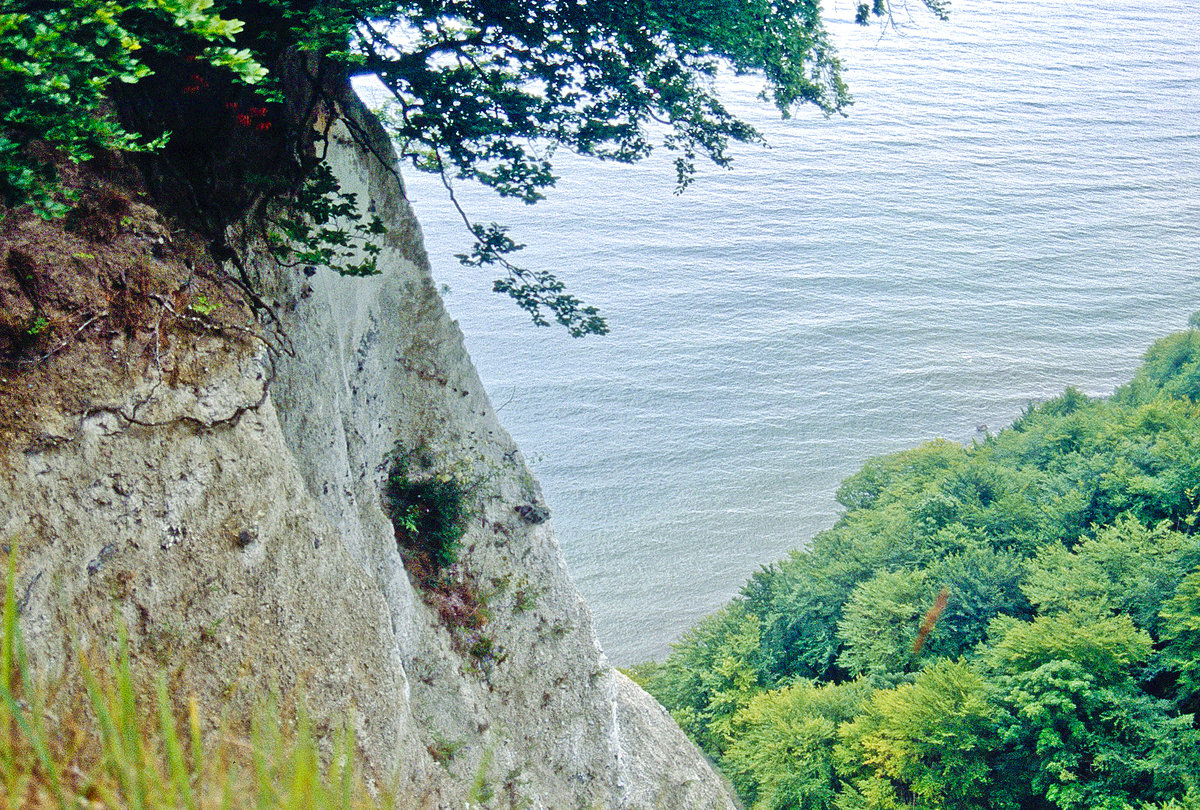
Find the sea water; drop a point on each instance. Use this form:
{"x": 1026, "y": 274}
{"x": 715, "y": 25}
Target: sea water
{"x": 1011, "y": 207}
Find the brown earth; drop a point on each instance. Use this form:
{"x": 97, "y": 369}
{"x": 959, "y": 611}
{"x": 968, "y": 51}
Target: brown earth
{"x": 108, "y": 294}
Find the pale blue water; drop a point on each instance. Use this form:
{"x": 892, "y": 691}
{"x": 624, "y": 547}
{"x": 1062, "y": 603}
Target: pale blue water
{"x": 1011, "y": 207}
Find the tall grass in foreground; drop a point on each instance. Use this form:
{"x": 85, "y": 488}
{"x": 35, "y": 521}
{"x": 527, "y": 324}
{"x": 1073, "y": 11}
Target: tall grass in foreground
{"x": 112, "y": 750}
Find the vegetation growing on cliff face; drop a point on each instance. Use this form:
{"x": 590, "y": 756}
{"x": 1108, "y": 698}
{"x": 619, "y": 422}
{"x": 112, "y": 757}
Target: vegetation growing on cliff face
{"x": 129, "y": 745}
{"x": 483, "y": 91}
{"x": 427, "y": 511}
{"x": 1061, "y": 671}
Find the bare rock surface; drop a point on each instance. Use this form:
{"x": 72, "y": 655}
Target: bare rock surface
{"x": 232, "y": 520}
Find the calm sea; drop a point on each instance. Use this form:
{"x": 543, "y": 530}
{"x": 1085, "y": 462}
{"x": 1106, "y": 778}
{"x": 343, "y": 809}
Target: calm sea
{"x": 1011, "y": 207}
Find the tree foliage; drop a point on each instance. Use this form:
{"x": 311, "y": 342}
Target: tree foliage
{"x": 1084, "y": 733}
{"x": 782, "y": 754}
{"x": 482, "y": 90}
{"x": 712, "y": 676}
{"x": 1127, "y": 568}
{"x": 58, "y": 63}
{"x": 1051, "y": 573}
{"x": 926, "y": 744}
{"x": 880, "y": 624}
{"x": 1181, "y": 617}
{"x": 485, "y": 91}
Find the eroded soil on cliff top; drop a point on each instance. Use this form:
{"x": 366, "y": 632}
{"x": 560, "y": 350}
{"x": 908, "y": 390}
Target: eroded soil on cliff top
{"x": 110, "y": 294}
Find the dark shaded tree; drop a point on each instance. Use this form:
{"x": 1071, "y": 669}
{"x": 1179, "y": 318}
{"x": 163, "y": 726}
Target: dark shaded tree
{"x": 483, "y": 90}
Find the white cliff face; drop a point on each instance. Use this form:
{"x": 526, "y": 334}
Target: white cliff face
{"x": 237, "y": 526}
{"x": 196, "y": 531}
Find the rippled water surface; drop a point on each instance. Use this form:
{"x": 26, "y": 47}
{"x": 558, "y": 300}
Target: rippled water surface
{"x": 1010, "y": 207}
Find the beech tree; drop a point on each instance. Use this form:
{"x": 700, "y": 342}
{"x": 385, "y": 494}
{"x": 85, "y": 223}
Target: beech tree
{"x": 483, "y": 90}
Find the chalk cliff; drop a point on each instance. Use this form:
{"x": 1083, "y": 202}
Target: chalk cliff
{"x": 165, "y": 471}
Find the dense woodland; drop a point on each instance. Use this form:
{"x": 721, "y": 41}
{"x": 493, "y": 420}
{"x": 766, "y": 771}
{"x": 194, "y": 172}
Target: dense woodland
{"x": 1014, "y": 624}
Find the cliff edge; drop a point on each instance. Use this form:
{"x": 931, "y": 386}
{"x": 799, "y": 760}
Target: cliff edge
{"x": 163, "y": 469}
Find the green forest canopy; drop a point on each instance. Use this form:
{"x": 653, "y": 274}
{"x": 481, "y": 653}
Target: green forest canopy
{"x": 1014, "y": 624}
{"x": 483, "y": 89}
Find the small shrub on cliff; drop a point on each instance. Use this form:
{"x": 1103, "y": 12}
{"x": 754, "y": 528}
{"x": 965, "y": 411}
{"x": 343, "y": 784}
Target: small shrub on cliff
{"x": 429, "y": 515}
